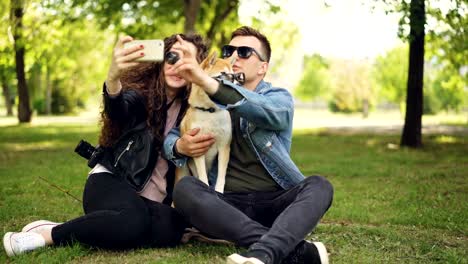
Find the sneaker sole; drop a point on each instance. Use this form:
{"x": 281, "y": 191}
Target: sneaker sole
{"x": 39, "y": 224}
{"x": 7, "y": 244}
{"x": 238, "y": 259}
{"x": 322, "y": 252}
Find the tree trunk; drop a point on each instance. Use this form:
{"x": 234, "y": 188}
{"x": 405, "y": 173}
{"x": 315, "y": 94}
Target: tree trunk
{"x": 16, "y": 16}
{"x": 365, "y": 108}
{"x": 411, "y": 136}
{"x": 48, "y": 95}
{"x": 8, "y": 99}
{"x": 191, "y": 8}
{"x": 222, "y": 12}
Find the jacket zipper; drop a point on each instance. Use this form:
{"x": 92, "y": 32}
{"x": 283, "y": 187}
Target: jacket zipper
{"x": 125, "y": 150}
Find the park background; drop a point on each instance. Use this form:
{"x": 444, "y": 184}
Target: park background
{"x": 398, "y": 162}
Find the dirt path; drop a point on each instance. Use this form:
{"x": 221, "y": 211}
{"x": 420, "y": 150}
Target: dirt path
{"x": 380, "y": 122}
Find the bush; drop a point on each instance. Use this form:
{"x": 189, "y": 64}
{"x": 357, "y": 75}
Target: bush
{"x": 62, "y": 102}
{"x": 39, "y": 105}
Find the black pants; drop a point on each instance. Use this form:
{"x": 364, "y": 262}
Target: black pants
{"x": 116, "y": 217}
{"x": 274, "y": 222}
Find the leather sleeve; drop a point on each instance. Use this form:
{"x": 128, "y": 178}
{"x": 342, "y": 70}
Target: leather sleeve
{"x": 127, "y": 108}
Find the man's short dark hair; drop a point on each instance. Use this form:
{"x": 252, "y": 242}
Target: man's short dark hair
{"x": 248, "y": 31}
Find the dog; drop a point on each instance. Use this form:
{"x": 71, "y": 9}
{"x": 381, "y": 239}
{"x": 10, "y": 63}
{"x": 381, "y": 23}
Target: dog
{"x": 210, "y": 118}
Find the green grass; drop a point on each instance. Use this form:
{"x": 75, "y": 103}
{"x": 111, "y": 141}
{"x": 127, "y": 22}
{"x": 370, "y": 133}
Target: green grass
{"x": 391, "y": 205}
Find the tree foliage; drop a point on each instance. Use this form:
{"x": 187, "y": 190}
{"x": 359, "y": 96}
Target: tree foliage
{"x": 352, "y": 86}
{"x": 315, "y": 80}
{"x": 7, "y": 62}
{"x": 67, "y": 44}
{"x": 390, "y": 72}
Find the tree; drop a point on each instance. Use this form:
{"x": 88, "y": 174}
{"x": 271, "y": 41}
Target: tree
{"x": 447, "y": 50}
{"x": 411, "y": 136}
{"x": 315, "y": 80}
{"x": 452, "y": 47}
{"x": 7, "y": 66}
{"x": 156, "y": 18}
{"x": 7, "y": 72}
{"x": 448, "y": 88}
{"x": 191, "y": 9}
{"x": 352, "y": 87}
{"x": 217, "y": 20}
{"x": 16, "y": 19}
{"x": 390, "y": 73}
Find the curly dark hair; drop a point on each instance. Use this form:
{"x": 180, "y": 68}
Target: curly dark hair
{"x": 148, "y": 79}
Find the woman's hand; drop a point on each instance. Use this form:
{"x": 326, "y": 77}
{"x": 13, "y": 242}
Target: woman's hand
{"x": 189, "y": 69}
{"x": 122, "y": 59}
{"x": 193, "y": 145}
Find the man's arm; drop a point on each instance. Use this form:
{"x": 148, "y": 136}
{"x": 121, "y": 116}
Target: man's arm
{"x": 191, "y": 144}
{"x": 169, "y": 152}
{"x": 273, "y": 109}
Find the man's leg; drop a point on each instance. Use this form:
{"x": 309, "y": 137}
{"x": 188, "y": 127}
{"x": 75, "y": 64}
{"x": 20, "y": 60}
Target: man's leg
{"x": 208, "y": 211}
{"x": 301, "y": 209}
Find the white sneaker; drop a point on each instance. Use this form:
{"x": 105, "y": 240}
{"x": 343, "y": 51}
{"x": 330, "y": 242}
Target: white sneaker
{"x": 39, "y": 226}
{"x": 239, "y": 259}
{"x": 323, "y": 254}
{"x": 18, "y": 243}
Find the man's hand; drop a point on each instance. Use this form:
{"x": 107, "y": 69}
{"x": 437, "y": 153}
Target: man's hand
{"x": 189, "y": 69}
{"x": 193, "y": 145}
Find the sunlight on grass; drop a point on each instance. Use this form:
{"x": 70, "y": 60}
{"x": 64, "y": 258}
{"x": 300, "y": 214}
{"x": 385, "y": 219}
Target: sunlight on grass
{"x": 44, "y": 145}
{"x": 88, "y": 117}
{"x": 459, "y": 119}
{"x": 312, "y": 118}
{"x": 446, "y": 139}
{"x": 371, "y": 142}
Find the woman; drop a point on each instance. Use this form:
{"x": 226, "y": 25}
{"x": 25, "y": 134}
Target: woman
{"x": 116, "y": 216}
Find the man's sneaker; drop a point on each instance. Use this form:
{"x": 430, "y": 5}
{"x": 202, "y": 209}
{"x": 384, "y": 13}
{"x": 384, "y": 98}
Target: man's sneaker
{"x": 18, "y": 243}
{"x": 308, "y": 252}
{"x": 39, "y": 226}
{"x": 250, "y": 257}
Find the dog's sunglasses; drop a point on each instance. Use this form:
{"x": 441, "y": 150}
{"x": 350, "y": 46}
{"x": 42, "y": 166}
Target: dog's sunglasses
{"x": 243, "y": 52}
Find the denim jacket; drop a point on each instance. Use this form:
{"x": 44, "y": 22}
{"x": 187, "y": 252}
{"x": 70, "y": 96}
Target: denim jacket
{"x": 266, "y": 124}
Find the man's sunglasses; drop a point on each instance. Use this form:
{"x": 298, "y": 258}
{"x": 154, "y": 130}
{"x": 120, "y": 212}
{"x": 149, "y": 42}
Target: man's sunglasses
{"x": 243, "y": 52}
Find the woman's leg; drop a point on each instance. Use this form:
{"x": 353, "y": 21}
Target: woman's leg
{"x": 116, "y": 216}
{"x": 167, "y": 224}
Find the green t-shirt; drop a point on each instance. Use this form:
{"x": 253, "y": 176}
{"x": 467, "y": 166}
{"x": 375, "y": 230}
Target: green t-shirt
{"x": 245, "y": 173}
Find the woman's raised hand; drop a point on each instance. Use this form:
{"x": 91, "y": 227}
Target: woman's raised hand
{"x": 122, "y": 59}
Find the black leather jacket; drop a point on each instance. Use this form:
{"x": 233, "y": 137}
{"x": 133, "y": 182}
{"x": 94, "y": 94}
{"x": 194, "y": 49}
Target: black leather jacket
{"x": 130, "y": 111}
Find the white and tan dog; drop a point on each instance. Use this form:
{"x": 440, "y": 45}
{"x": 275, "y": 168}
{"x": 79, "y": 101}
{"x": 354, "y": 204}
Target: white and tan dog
{"x": 210, "y": 118}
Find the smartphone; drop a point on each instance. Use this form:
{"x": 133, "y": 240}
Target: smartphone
{"x": 153, "y": 49}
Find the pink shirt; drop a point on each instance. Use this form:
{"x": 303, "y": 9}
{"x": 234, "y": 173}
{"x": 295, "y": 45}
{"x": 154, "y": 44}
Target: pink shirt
{"x": 155, "y": 189}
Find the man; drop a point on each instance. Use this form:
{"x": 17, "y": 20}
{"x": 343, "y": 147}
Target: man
{"x": 268, "y": 205}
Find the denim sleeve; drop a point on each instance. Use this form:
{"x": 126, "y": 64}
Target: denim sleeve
{"x": 269, "y": 108}
{"x": 168, "y": 148}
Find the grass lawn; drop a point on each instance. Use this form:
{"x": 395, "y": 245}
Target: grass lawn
{"x": 391, "y": 205}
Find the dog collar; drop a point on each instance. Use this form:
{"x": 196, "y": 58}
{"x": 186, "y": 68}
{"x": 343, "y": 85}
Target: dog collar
{"x": 232, "y": 77}
{"x": 211, "y": 109}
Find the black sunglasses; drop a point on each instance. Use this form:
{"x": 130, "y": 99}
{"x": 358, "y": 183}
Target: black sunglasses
{"x": 243, "y": 52}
